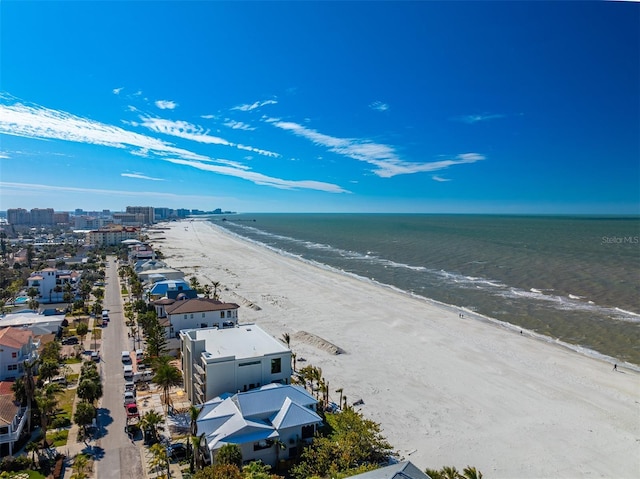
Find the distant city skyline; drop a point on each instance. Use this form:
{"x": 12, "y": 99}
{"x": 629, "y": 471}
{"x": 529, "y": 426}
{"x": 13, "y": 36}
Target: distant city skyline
{"x": 407, "y": 107}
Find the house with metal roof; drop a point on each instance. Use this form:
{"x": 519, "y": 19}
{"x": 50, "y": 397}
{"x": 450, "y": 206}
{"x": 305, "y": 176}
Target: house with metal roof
{"x": 269, "y": 423}
{"x": 400, "y": 470}
{"x": 228, "y": 360}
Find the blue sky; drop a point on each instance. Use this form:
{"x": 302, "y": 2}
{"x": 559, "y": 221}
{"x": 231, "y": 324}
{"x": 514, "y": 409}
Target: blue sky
{"x": 464, "y": 107}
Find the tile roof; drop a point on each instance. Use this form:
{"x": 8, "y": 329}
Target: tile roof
{"x": 14, "y": 338}
{"x": 198, "y": 305}
{"x": 8, "y": 409}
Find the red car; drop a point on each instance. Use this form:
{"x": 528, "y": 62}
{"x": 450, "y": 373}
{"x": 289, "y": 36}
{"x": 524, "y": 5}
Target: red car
{"x": 132, "y": 410}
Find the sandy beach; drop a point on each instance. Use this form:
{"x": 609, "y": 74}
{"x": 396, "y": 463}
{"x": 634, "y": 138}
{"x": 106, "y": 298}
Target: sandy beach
{"x": 446, "y": 390}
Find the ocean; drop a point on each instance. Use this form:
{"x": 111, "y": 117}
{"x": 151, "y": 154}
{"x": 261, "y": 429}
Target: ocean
{"x": 574, "y": 280}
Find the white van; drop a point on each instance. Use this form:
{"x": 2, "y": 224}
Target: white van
{"x": 143, "y": 376}
{"x": 126, "y": 357}
{"x": 128, "y": 372}
{"x": 105, "y": 314}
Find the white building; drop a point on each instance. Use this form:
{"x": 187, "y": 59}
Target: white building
{"x": 217, "y": 361}
{"x": 269, "y": 423}
{"x": 37, "y": 323}
{"x": 197, "y": 313}
{"x": 16, "y": 347}
{"x": 52, "y": 284}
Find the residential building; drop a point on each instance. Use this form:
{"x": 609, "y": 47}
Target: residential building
{"x": 18, "y": 216}
{"x": 185, "y": 313}
{"x": 399, "y": 470}
{"x": 170, "y": 289}
{"x": 37, "y": 323}
{"x": 269, "y": 423}
{"x": 16, "y": 347}
{"x": 147, "y": 212}
{"x": 13, "y": 418}
{"x": 42, "y": 216}
{"x": 225, "y": 360}
{"x": 111, "y": 235}
{"x": 52, "y": 283}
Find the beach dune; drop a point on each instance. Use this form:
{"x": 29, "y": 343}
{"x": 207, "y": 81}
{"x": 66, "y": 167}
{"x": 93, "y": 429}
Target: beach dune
{"x": 446, "y": 389}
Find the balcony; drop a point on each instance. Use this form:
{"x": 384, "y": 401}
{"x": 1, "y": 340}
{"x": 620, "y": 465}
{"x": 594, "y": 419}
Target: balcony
{"x": 199, "y": 369}
{"x": 16, "y": 427}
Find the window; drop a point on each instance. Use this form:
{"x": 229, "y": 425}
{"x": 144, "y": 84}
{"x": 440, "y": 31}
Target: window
{"x": 276, "y": 366}
{"x": 14, "y": 354}
{"x": 203, "y": 325}
{"x": 185, "y": 316}
{"x": 307, "y": 431}
{"x": 203, "y": 315}
{"x": 12, "y": 367}
{"x": 266, "y": 444}
{"x": 191, "y": 315}
{"x": 222, "y": 314}
{"x": 252, "y": 363}
{"x": 228, "y": 314}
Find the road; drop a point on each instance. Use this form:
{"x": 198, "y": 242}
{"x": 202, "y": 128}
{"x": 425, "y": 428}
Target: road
{"x": 120, "y": 457}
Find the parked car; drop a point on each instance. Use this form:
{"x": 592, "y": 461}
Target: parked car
{"x": 129, "y": 386}
{"x": 71, "y": 340}
{"x": 126, "y": 357}
{"x": 129, "y": 397}
{"x": 127, "y": 372}
{"x": 176, "y": 451}
{"x": 95, "y": 356}
{"x": 132, "y": 411}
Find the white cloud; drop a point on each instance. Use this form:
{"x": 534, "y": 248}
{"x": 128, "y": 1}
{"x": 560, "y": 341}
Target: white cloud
{"x": 238, "y": 125}
{"x": 379, "y": 106}
{"x": 188, "y": 131}
{"x": 383, "y": 157}
{"x": 29, "y": 188}
{"x": 208, "y": 117}
{"x": 478, "y": 118}
{"x": 140, "y": 176}
{"x": 260, "y": 179}
{"x": 116, "y": 91}
{"x": 34, "y": 121}
{"x": 166, "y": 104}
{"x": 253, "y": 106}
{"x": 439, "y": 178}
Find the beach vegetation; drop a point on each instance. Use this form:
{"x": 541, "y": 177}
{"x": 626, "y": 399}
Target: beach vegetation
{"x": 219, "y": 471}
{"x": 229, "y": 454}
{"x": 450, "y": 472}
{"x": 167, "y": 376}
{"x": 347, "y": 443}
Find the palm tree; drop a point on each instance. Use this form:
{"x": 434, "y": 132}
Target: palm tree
{"x": 286, "y": 338}
{"x": 32, "y": 447}
{"x": 216, "y": 285}
{"x": 47, "y": 404}
{"x": 150, "y": 424}
{"x": 80, "y": 464}
{"x": 471, "y": 473}
{"x": 194, "y": 412}
{"x": 340, "y": 392}
{"x": 167, "y": 376}
{"x": 29, "y": 387}
{"x": 207, "y": 291}
{"x": 160, "y": 457}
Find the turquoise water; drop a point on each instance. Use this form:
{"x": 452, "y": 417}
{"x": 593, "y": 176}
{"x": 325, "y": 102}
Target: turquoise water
{"x": 576, "y": 279}
{"x": 21, "y": 300}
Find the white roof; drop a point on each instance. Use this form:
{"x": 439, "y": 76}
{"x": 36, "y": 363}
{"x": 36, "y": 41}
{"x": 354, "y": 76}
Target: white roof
{"x": 256, "y": 415}
{"x": 241, "y": 341}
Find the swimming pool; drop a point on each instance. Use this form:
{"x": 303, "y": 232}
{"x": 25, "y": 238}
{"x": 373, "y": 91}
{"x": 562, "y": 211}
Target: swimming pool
{"x": 21, "y": 300}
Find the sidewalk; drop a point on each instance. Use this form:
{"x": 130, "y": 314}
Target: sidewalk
{"x": 73, "y": 446}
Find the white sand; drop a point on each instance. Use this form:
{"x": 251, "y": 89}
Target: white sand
{"x": 446, "y": 390}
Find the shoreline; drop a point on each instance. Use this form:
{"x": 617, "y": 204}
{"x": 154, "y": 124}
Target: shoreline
{"x": 446, "y": 390}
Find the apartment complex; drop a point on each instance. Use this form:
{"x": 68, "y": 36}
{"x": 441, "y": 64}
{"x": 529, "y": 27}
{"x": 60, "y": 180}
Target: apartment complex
{"x": 217, "y": 361}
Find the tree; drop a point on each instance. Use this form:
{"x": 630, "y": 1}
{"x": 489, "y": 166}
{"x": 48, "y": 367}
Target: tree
{"x": 150, "y": 424}
{"x": 47, "y": 404}
{"x": 216, "y": 286}
{"x": 48, "y": 369}
{"x": 257, "y": 470}
{"x": 206, "y": 291}
{"x": 81, "y": 330}
{"x": 167, "y": 376}
{"x": 352, "y": 442}
{"x": 89, "y": 389}
{"x": 219, "y": 471}
{"x": 160, "y": 459}
{"x": 229, "y": 454}
{"x": 194, "y": 412}
{"x": 30, "y": 255}
{"x": 32, "y": 447}
{"x": 51, "y": 351}
{"x": 194, "y": 283}
{"x": 33, "y": 293}
{"x": 29, "y": 386}
{"x": 286, "y": 339}
{"x": 80, "y": 466}
{"x": 84, "y": 415}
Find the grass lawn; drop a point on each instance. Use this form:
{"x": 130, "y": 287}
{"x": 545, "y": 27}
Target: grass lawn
{"x": 58, "y": 438}
{"x": 72, "y": 378}
{"x": 73, "y": 360}
{"x": 65, "y": 402}
{"x": 31, "y": 474}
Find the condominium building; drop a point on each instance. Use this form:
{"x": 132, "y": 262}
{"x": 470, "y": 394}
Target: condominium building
{"x": 217, "y": 361}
